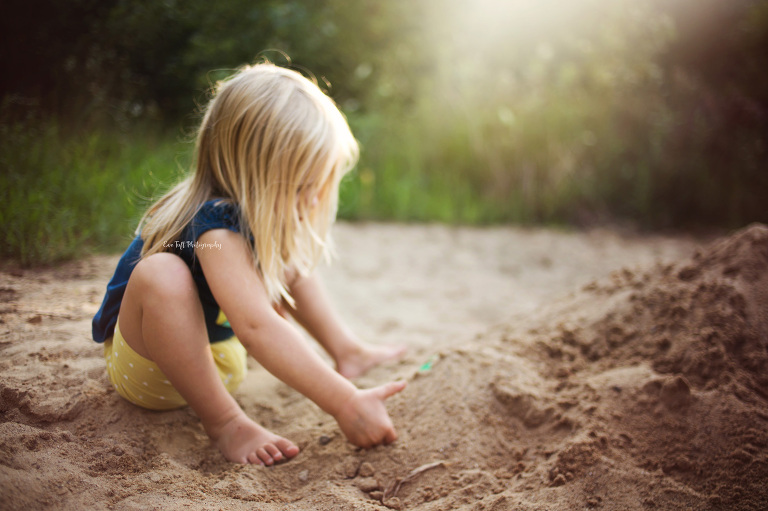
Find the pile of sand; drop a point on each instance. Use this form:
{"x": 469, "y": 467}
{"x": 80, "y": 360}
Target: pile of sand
{"x": 645, "y": 389}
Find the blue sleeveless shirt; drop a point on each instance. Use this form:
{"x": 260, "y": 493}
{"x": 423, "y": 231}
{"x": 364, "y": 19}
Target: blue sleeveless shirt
{"x": 213, "y": 214}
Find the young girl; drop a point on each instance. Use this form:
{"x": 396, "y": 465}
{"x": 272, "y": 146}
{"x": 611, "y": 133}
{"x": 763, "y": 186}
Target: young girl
{"x": 218, "y": 257}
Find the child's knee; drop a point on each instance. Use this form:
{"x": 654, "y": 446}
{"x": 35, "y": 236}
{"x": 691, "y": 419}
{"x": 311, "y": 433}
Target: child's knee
{"x": 166, "y": 274}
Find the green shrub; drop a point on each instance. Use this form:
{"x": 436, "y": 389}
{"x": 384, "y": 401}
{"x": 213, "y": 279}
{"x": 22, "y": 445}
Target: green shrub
{"x": 62, "y": 194}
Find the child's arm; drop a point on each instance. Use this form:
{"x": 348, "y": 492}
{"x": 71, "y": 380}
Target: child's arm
{"x": 280, "y": 348}
{"x": 314, "y": 311}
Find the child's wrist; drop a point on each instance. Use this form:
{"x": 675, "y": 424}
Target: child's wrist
{"x": 340, "y": 407}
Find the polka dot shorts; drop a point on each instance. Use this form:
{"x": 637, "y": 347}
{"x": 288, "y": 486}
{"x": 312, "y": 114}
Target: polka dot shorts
{"x": 141, "y": 381}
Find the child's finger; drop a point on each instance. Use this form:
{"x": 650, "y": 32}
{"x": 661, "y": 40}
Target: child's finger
{"x": 390, "y": 389}
{"x": 390, "y": 436}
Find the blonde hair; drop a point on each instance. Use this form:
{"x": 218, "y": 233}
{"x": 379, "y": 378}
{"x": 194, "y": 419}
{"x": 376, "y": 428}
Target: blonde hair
{"x": 276, "y": 146}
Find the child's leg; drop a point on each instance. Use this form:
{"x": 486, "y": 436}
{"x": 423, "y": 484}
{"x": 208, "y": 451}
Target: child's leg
{"x": 161, "y": 318}
{"x": 316, "y": 314}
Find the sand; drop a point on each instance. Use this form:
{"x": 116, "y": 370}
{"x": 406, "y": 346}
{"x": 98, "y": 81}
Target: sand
{"x": 547, "y": 370}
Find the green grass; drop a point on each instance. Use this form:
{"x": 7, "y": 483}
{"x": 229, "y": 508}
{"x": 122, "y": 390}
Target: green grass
{"x": 450, "y": 166}
{"x": 572, "y": 161}
{"x": 63, "y": 195}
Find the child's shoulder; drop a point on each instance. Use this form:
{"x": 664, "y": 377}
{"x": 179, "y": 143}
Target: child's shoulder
{"x": 214, "y": 214}
{"x": 216, "y": 210}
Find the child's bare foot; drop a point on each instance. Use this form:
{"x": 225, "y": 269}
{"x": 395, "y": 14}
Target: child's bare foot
{"x": 243, "y": 441}
{"x": 366, "y": 357}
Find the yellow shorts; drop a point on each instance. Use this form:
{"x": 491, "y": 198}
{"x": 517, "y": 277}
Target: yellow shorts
{"x": 141, "y": 381}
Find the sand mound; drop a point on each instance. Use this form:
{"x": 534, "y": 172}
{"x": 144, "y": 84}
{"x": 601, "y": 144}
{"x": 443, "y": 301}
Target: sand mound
{"x": 671, "y": 367}
{"x": 647, "y": 389}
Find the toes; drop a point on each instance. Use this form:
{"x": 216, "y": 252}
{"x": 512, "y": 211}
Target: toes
{"x": 395, "y": 352}
{"x": 287, "y": 447}
{"x": 274, "y": 452}
{"x": 254, "y": 459}
{"x": 265, "y": 456}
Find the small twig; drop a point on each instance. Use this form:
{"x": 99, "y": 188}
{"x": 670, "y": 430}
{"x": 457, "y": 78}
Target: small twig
{"x": 394, "y": 487}
{"x": 60, "y": 315}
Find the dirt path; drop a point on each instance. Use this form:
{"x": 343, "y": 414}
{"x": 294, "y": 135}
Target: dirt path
{"x": 529, "y": 334}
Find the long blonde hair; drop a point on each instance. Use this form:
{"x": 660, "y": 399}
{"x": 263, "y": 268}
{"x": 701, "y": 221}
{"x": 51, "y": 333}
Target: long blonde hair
{"x": 276, "y": 146}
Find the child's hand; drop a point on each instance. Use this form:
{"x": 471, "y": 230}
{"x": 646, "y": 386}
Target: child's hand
{"x": 364, "y": 418}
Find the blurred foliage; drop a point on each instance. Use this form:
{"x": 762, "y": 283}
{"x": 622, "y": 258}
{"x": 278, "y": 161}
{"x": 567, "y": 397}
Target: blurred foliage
{"x": 572, "y": 112}
{"x": 151, "y": 58}
{"x": 61, "y": 196}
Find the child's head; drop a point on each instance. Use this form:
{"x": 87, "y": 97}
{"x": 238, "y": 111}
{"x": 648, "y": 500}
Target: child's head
{"x": 272, "y": 142}
{"x": 272, "y": 132}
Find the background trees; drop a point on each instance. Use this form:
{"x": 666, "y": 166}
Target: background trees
{"x": 570, "y": 112}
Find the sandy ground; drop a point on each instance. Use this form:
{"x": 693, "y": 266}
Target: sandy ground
{"x": 547, "y": 370}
